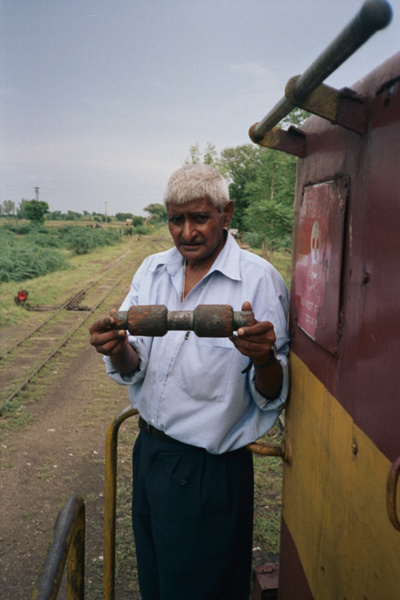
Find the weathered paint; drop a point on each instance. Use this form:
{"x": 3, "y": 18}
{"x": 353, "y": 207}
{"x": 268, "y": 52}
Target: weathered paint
{"x": 361, "y": 376}
{"x": 318, "y": 261}
{"x": 335, "y": 499}
{"x": 343, "y": 417}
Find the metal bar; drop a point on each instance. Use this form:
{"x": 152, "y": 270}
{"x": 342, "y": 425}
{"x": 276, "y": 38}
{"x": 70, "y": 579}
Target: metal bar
{"x": 373, "y": 16}
{"x": 283, "y": 450}
{"x": 68, "y": 542}
{"x": 110, "y": 500}
{"x": 391, "y": 493}
{"x": 206, "y": 320}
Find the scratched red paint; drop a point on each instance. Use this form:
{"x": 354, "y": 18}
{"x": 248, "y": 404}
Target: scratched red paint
{"x": 318, "y": 262}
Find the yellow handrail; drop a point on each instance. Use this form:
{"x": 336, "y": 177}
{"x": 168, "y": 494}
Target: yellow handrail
{"x": 110, "y": 500}
{"x": 110, "y": 492}
{"x": 67, "y": 544}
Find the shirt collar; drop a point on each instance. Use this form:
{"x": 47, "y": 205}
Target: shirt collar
{"x": 227, "y": 261}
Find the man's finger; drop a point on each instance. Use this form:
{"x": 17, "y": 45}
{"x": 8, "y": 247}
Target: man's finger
{"x": 102, "y": 325}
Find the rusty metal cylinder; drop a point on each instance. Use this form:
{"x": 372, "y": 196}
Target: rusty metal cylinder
{"x": 206, "y": 320}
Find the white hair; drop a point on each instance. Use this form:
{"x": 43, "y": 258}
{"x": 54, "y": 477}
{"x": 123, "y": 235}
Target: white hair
{"x": 193, "y": 182}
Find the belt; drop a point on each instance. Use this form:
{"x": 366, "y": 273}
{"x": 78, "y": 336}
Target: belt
{"x": 160, "y": 435}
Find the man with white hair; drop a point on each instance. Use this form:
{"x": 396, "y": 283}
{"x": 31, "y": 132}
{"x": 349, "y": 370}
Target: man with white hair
{"x": 201, "y": 400}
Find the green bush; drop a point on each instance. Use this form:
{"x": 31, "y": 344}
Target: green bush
{"x": 44, "y": 238}
{"x": 28, "y": 251}
{"x": 81, "y": 240}
{"x": 26, "y": 261}
{"x": 20, "y": 228}
{"x": 141, "y": 230}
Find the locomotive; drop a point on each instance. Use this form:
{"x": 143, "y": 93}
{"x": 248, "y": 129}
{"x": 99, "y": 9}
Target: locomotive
{"x": 340, "y": 535}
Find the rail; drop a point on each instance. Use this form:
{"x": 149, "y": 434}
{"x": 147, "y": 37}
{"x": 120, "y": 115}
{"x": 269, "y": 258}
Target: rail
{"x": 110, "y": 500}
{"x": 373, "y": 16}
{"x": 67, "y": 545}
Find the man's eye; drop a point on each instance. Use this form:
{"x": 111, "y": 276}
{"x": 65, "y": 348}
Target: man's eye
{"x": 200, "y": 218}
{"x": 175, "y": 219}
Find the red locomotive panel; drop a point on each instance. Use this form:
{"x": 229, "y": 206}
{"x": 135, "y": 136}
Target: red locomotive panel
{"x": 318, "y": 261}
{"x": 340, "y": 526}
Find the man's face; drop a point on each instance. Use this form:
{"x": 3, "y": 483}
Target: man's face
{"x": 197, "y": 229}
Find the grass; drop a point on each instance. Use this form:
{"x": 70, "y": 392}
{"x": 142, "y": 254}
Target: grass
{"x": 51, "y": 289}
{"x": 268, "y": 495}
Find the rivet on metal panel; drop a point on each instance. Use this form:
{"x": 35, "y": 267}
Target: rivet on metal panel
{"x": 365, "y": 277}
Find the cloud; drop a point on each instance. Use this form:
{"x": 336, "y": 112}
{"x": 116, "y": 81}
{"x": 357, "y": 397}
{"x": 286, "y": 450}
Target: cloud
{"x": 256, "y": 83}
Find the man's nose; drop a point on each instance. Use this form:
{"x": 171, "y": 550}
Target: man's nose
{"x": 189, "y": 230}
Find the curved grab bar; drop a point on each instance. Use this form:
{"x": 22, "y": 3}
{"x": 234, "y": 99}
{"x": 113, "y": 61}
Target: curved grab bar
{"x": 391, "y": 493}
{"x": 67, "y": 545}
{"x": 373, "y": 16}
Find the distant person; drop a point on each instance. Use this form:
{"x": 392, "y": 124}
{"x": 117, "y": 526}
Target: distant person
{"x": 201, "y": 400}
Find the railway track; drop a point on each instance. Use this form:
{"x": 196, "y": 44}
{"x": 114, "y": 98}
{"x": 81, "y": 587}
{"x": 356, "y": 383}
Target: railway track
{"x": 21, "y": 362}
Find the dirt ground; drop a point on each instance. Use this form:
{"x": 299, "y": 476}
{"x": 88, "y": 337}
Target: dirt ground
{"x": 61, "y": 452}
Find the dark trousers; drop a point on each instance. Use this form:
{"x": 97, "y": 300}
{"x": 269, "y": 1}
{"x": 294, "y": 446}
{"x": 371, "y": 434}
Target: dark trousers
{"x": 193, "y": 521}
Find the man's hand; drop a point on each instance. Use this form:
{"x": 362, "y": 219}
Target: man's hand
{"x": 114, "y": 343}
{"x": 256, "y": 342}
{"x": 105, "y": 339}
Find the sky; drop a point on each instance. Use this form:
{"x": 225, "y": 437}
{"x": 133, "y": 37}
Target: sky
{"x": 101, "y": 100}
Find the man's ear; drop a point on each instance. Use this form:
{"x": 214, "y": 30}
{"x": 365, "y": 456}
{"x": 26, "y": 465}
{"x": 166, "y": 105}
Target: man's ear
{"x": 228, "y": 210}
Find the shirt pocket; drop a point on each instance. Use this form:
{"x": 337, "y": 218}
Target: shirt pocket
{"x": 203, "y": 367}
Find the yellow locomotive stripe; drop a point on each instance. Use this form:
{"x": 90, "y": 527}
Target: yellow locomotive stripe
{"x": 334, "y": 498}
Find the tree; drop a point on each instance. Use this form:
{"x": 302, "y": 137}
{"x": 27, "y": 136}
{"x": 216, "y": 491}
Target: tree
{"x": 8, "y": 208}
{"x": 194, "y": 157}
{"x": 210, "y": 156}
{"x": 21, "y": 214}
{"x": 122, "y": 216}
{"x": 270, "y": 212}
{"x": 71, "y": 215}
{"x": 239, "y": 166}
{"x": 36, "y": 210}
{"x": 55, "y": 215}
{"x": 296, "y": 117}
{"x": 157, "y": 212}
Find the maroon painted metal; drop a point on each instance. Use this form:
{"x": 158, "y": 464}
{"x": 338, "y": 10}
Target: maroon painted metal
{"x": 295, "y": 586}
{"x": 358, "y": 361}
{"x": 265, "y": 582}
{"x": 318, "y": 261}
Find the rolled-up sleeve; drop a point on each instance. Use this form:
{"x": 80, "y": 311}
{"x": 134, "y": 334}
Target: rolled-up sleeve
{"x": 277, "y": 403}
{"x": 137, "y": 375}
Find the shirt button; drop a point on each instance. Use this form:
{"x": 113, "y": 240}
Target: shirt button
{"x": 152, "y": 421}
{"x": 160, "y": 379}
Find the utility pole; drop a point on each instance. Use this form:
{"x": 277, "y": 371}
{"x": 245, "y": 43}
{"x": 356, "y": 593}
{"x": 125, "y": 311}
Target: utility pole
{"x": 37, "y": 193}
{"x": 105, "y": 213}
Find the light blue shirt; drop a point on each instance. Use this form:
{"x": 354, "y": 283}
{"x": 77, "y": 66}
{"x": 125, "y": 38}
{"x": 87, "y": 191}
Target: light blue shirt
{"x": 192, "y": 388}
